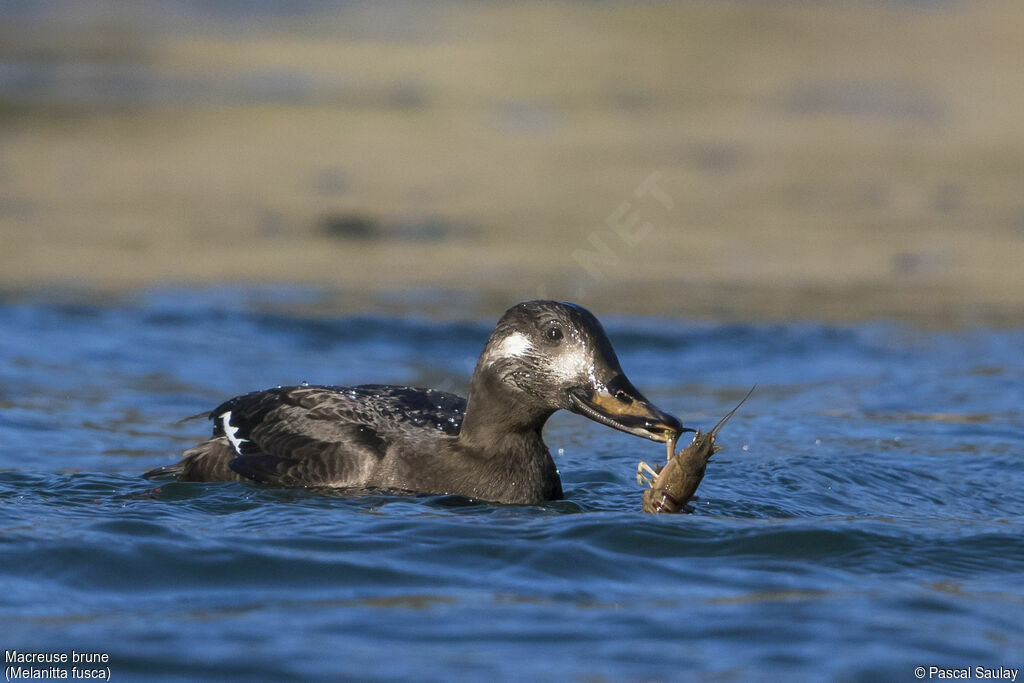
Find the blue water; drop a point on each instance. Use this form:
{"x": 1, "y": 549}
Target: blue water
{"x": 866, "y": 517}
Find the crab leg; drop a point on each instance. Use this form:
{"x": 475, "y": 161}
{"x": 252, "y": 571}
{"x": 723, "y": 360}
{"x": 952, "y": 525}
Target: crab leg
{"x": 643, "y": 469}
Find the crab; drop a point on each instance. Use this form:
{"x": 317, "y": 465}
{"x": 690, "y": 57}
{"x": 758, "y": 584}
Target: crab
{"x": 672, "y": 485}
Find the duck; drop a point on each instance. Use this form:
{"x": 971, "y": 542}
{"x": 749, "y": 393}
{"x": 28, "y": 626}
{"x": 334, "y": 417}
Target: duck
{"x": 543, "y": 356}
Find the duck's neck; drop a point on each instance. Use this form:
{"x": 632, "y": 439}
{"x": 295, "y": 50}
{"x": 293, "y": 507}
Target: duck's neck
{"x": 502, "y": 437}
{"x": 494, "y": 412}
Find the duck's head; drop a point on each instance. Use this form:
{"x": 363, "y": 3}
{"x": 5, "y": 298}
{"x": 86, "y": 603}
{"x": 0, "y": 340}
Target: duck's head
{"x": 556, "y": 355}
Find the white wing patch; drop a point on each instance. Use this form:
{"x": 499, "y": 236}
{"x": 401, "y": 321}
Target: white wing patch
{"x": 231, "y": 432}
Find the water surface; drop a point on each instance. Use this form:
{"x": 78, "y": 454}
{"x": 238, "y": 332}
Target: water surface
{"x": 864, "y": 519}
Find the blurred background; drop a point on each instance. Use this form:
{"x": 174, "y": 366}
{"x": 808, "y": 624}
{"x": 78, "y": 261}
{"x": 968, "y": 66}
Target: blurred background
{"x": 779, "y": 160}
{"x": 199, "y": 198}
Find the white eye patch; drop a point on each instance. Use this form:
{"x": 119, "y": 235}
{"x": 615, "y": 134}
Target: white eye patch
{"x": 565, "y": 363}
{"x": 515, "y": 344}
{"x": 571, "y": 363}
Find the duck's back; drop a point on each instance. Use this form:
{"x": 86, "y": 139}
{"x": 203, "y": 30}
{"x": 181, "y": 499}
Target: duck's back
{"x": 320, "y": 435}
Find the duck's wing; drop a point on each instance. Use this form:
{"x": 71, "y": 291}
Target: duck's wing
{"x": 327, "y": 435}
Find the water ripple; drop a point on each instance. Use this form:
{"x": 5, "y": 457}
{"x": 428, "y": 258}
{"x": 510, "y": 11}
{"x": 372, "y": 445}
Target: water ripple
{"x": 864, "y": 518}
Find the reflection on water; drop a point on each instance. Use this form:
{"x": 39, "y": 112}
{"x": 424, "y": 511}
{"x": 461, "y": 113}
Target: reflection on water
{"x": 868, "y": 502}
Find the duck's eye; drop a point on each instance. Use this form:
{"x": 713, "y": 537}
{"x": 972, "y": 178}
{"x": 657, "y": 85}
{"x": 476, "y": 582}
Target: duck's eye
{"x": 554, "y": 333}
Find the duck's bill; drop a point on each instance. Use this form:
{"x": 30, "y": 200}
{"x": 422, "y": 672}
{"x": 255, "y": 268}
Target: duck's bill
{"x": 626, "y": 410}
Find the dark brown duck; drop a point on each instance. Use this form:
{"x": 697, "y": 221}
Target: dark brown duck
{"x": 541, "y": 357}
